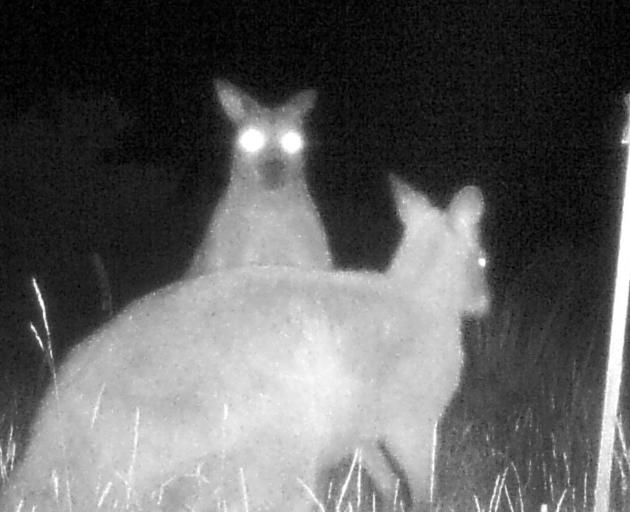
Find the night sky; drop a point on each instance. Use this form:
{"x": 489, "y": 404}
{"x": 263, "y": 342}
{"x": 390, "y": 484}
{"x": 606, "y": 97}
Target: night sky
{"x": 525, "y": 102}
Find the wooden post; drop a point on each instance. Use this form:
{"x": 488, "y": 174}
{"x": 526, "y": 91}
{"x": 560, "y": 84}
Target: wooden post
{"x": 616, "y": 342}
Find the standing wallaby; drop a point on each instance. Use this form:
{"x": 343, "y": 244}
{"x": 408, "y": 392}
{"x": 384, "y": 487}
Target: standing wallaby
{"x": 266, "y": 216}
{"x": 235, "y": 389}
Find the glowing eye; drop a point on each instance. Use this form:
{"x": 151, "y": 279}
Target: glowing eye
{"x": 482, "y": 261}
{"x": 251, "y": 140}
{"x": 292, "y": 142}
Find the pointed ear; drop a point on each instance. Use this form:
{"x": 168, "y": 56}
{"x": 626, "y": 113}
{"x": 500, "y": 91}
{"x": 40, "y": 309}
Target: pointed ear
{"x": 403, "y": 193}
{"x": 237, "y": 104}
{"x": 408, "y": 201}
{"x": 301, "y": 103}
{"x": 466, "y": 208}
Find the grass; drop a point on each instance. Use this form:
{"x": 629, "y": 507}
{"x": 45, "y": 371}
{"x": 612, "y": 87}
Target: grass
{"x": 521, "y": 435}
{"x": 523, "y": 432}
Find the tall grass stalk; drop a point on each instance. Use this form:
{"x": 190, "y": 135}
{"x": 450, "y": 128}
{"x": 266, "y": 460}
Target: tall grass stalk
{"x": 47, "y": 349}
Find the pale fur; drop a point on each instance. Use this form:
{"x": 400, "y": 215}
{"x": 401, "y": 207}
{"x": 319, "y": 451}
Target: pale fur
{"x": 266, "y": 216}
{"x": 262, "y": 376}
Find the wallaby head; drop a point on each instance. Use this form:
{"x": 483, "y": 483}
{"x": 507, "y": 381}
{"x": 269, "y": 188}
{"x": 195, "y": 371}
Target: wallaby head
{"x": 440, "y": 250}
{"x": 270, "y": 142}
{"x": 266, "y": 215}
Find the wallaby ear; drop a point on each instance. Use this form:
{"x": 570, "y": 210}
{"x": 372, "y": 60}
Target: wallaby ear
{"x": 302, "y": 102}
{"x": 237, "y": 104}
{"x": 408, "y": 201}
{"x": 403, "y": 193}
{"x": 467, "y": 207}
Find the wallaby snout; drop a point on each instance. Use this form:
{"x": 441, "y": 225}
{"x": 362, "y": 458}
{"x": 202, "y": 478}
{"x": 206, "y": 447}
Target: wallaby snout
{"x": 274, "y": 173}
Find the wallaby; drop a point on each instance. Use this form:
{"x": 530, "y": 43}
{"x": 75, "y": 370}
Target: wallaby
{"x": 266, "y": 216}
{"x": 252, "y": 379}
{"x": 421, "y": 260}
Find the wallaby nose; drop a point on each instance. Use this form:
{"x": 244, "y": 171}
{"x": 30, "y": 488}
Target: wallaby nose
{"x": 274, "y": 173}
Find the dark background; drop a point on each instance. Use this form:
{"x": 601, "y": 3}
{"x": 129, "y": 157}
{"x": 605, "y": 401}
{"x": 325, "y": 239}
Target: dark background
{"x": 524, "y": 101}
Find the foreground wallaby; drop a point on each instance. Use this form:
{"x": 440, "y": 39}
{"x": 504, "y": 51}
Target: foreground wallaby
{"x": 254, "y": 379}
{"x": 266, "y": 216}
